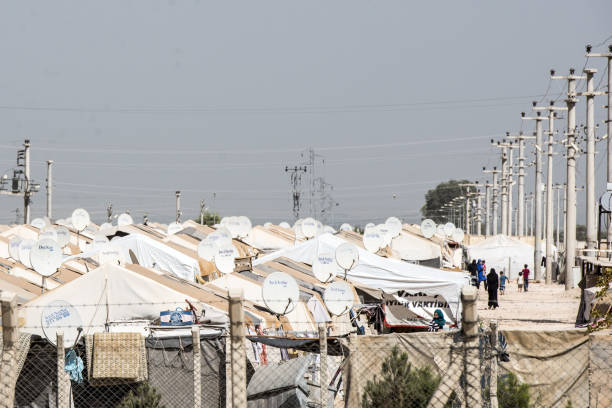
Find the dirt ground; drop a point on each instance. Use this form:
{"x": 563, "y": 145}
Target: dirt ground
{"x": 542, "y": 307}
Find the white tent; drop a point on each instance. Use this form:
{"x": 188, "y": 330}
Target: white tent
{"x": 504, "y": 254}
{"x": 409, "y": 247}
{"x": 111, "y": 295}
{"x": 414, "y": 287}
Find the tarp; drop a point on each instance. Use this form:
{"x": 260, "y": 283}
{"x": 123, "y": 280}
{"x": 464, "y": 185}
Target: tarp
{"x": 392, "y": 276}
{"x": 499, "y": 251}
{"x": 112, "y": 294}
{"x": 410, "y": 247}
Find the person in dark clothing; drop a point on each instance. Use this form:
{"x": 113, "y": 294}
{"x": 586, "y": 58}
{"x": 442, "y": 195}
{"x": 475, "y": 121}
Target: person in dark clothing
{"x": 473, "y": 273}
{"x": 526, "y": 277}
{"x": 492, "y": 286}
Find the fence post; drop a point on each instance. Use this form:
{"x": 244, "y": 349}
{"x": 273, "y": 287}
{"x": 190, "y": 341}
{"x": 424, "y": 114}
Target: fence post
{"x": 10, "y": 335}
{"x": 197, "y": 368}
{"x": 63, "y": 382}
{"x": 472, "y": 373}
{"x": 494, "y": 362}
{"x": 238, "y": 357}
{"x": 352, "y": 389}
{"x": 323, "y": 380}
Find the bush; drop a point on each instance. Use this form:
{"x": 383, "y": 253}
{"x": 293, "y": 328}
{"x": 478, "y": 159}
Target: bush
{"x": 511, "y": 393}
{"x": 145, "y": 397}
{"x": 401, "y": 384}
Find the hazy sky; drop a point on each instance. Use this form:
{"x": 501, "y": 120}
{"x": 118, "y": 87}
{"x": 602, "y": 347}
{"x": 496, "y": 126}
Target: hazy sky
{"x": 136, "y": 99}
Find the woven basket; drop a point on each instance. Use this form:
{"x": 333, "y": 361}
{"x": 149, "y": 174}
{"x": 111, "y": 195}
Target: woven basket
{"x": 116, "y": 358}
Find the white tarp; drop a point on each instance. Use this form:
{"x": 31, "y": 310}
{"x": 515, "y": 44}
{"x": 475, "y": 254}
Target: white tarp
{"x": 502, "y": 252}
{"x": 111, "y": 294}
{"x": 410, "y": 247}
{"x": 392, "y": 276}
{"x": 153, "y": 254}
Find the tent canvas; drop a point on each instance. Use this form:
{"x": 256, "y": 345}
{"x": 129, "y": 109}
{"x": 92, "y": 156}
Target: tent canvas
{"x": 412, "y": 286}
{"x": 502, "y": 252}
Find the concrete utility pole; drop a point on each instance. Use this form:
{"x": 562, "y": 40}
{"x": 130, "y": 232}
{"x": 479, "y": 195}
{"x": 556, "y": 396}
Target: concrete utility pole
{"x": 538, "y": 194}
{"x": 178, "y": 206}
{"x": 49, "y": 189}
{"x": 558, "y": 188}
{"x": 549, "y": 184}
{"x": 202, "y": 210}
{"x": 510, "y": 183}
{"x": 607, "y": 55}
{"x": 26, "y": 173}
{"x": 495, "y": 196}
{"x": 505, "y": 217}
{"x": 521, "y": 181}
{"x": 569, "y": 235}
{"x": 487, "y": 211}
{"x": 478, "y": 213}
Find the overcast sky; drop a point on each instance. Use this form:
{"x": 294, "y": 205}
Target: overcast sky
{"x": 136, "y": 99}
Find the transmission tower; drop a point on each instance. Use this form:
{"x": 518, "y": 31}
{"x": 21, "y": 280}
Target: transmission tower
{"x": 296, "y": 183}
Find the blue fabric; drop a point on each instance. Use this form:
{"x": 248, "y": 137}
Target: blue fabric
{"x": 74, "y": 366}
{"x": 503, "y": 279}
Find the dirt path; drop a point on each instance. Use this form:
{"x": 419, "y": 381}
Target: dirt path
{"x": 542, "y": 307}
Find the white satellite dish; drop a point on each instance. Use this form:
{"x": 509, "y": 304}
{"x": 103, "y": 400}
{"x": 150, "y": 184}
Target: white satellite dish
{"x": 233, "y": 225}
{"x": 224, "y": 258}
{"x": 338, "y": 298}
{"x": 218, "y": 239}
{"x": 320, "y": 228}
{"x": 428, "y": 228}
{"x": 385, "y": 233}
{"x": 38, "y": 223}
{"x": 440, "y": 230}
{"x": 48, "y": 232}
{"x": 449, "y": 227}
{"x": 458, "y": 235}
{"x": 25, "y": 247}
{"x": 124, "y": 219}
{"x": 14, "y": 247}
{"x": 347, "y": 256}
{"x": 106, "y": 226}
{"x": 99, "y": 240}
{"x": 244, "y": 226}
{"x": 309, "y": 227}
{"x": 110, "y": 254}
{"x": 60, "y": 315}
{"x": 280, "y": 293}
{"x": 329, "y": 230}
{"x": 395, "y": 226}
{"x": 324, "y": 267}
{"x": 346, "y": 227}
{"x": 80, "y": 219}
{"x": 63, "y": 236}
{"x": 46, "y": 256}
{"x": 372, "y": 240}
{"x": 284, "y": 225}
{"x": 207, "y": 249}
{"x": 369, "y": 225}
{"x": 267, "y": 225}
{"x": 174, "y": 227}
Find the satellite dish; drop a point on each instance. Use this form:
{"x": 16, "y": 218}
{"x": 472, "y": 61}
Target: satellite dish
{"x": 63, "y": 236}
{"x": 280, "y": 293}
{"x": 38, "y": 223}
{"x": 60, "y": 315}
{"x": 48, "y": 232}
{"x": 174, "y": 227}
{"x": 369, "y": 225}
{"x": 385, "y": 233}
{"x": 372, "y": 240}
{"x": 309, "y": 227}
{"x": 124, "y": 219}
{"x": 80, "y": 219}
{"x": 207, "y": 249}
{"x": 328, "y": 230}
{"x": 428, "y": 228}
{"x": 224, "y": 258}
{"x": 346, "y": 227}
{"x": 106, "y": 226}
{"x": 284, "y": 225}
{"x": 606, "y": 200}
{"x": 267, "y": 225}
{"x": 347, "y": 256}
{"x": 25, "y": 246}
{"x": 320, "y": 228}
{"x": 110, "y": 254}
{"x": 99, "y": 240}
{"x": 14, "y": 247}
{"x": 395, "y": 226}
{"x": 324, "y": 267}
{"x": 449, "y": 227}
{"x": 218, "y": 239}
{"x": 46, "y": 256}
{"x": 233, "y": 225}
{"x": 458, "y": 235}
{"x": 338, "y": 298}
{"x": 440, "y": 230}
{"x": 244, "y": 226}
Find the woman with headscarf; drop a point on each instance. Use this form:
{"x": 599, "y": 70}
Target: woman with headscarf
{"x": 481, "y": 274}
{"x": 438, "y": 321}
{"x": 492, "y": 286}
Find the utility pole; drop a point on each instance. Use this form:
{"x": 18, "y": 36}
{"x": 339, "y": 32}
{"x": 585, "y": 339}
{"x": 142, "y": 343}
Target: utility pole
{"x": 510, "y": 210}
{"x": 607, "y": 55}
{"x": 109, "y": 213}
{"x": 569, "y": 235}
{"x": 202, "y": 209}
{"x": 558, "y": 188}
{"x": 495, "y": 195}
{"x": 591, "y": 221}
{"x": 478, "y": 213}
{"x": 296, "y": 193}
{"x": 26, "y": 172}
{"x": 505, "y": 217}
{"x": 538, "y": 194}
{"x": 178, "y": 206}
{"x": 521, "y": 181}
{"x": 549, "y": 184}
{"x": 487, "y": 211}
{"x": 468, "y": 218}
{"x": 49, "y": 189}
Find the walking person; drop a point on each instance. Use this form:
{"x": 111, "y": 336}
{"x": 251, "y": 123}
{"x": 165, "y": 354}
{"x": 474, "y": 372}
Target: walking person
{"x": 526, "y": 277}
{"x": 473, "y": 272}
{"x": 502, "y": 283}
{"x": 481, "y": 276}
{"x": 484, "y": 272}
{"x": 492, "y": 286}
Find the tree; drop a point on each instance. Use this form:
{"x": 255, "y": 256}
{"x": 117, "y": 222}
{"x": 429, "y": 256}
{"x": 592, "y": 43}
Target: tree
{"x": 145, "y": 397}
{"x": 442, "y": 194}
{"x": 210, "y": 218}
{"x": 511, "y": 393}
{"x": 401, "y": 384}
{"x": 580, "y": 232}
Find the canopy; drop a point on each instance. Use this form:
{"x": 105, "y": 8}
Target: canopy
{"x": 504, "y": 254}
{"x": 410, "y": 247}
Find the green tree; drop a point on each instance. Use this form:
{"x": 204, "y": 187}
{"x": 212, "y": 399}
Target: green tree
{"x": 580, "y": 232}
{"x": 401, "y": 385}
{"x": 209, "y": 218}
{"x": 511, "y": 393}
{"x": 145, "y": 397}
{"x": 442, "y": 194}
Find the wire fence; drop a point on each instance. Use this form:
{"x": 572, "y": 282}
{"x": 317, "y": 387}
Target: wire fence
{"x": 267, "y": 364}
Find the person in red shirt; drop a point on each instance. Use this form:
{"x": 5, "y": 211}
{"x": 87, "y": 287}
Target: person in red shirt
{"x": 525, "y": 277}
